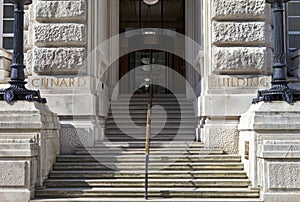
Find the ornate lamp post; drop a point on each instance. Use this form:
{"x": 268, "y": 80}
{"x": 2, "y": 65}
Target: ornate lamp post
{"x": 279, "y": 90}
{"x": 17, "y": 90}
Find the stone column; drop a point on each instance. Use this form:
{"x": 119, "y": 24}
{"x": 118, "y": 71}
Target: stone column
{"x": 64, "y": 36}
{"x": 270, "y": 149}
{"x": 28, "y": 148}
{"x": 238, "y": 61}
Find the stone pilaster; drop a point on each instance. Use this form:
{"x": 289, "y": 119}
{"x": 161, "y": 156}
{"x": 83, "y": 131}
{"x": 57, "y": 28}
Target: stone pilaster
{"x": 240, "y": 63}
{"x": 270, "y": 148}
{"x": 28, "y": 148}
{"x": 63, "y": 38}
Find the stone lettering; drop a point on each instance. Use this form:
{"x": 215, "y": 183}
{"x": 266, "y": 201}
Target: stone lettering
{"x": 58, "y": 82}
{"x": 53, "y": 82}
{"x": 81, "y": 82}
{"x": 239, "y": 82}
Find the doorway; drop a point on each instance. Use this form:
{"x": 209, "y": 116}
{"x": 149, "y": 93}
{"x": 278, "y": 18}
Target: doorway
{"x": 165, "y": 14}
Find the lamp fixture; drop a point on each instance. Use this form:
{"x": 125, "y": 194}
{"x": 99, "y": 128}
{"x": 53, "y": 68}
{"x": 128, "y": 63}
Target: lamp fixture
{"x": 150, "y": 2}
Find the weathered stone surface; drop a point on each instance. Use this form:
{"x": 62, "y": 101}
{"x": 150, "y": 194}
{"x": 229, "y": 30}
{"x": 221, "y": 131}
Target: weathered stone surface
{"x": 223, "y": 138}
{"x": 241, "y": 60}
{"x": 26, "y": 19}
{"x": 58, "y": 60}
{"x": 5, "y": 62}
{"x": 284, "y": 175}
{"x": 12, "y": 173}
{"x": 70, "y": 34}
{"x": 272, "y": 130}
{"x": 242, "y": 33}
{"x": 240, "y": 9}
{"x": 54, "y": 11}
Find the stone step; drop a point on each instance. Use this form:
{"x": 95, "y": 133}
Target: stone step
{"x": 123, "y": 106}
{"x": 137, "y": 199}
{"x": 153, "y": 159}
{"x": 154, "y": 95}
{"x": 190, "y": 126}
{"x": 152, "y": 166}
{"x": 145, "y": 103}
{"x": 240, "y": 183}
{"x": 169, "y": 121}
{"x": 153, "y": 192}
{"x": 161, "y": 174}
{"x": 154, "y": 131}
{"x": 141, "y": 144}
{"x": 179, "y": 115}
{"x": 167, "y": 151}
{"x": 171, "y": 98}
{"x": 160, "y": 137}
{"x": 155, "y": 99}
{"x": 153, "y": 111}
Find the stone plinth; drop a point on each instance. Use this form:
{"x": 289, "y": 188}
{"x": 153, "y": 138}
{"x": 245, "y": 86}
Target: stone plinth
{"x": 270, "y": 148}
{"x": 28, "y": 148}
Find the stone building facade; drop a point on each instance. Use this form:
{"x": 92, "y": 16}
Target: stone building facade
{"x": 233, "y": 61}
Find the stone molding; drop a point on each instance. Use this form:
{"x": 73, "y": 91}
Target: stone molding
{"x": 28, "y": 148}
{"x": 272, "y": 132}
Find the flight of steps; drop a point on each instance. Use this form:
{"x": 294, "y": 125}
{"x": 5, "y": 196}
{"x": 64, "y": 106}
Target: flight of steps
{"x": 179, "y": 169}
{"x": 172, "y": 118}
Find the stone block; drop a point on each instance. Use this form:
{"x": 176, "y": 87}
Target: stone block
{"x": 55, "y": 34}
{"x": 56, "y": 11}
{"x": 222, "y": 105}
{"x": 272, "y": 130}
{"x": 241, "y": 60}
{"x": 241, "y": 33}
{"x": 240, "y": 9}
{"x": 5, "y": 62}
{"x": 13, "y": 173}
{"x": 221, "y": 138}
{"x": 77, "y": 133}
{"x": 58, "y": 60}
{"x": 15, "y": 195}
{"x": 284, "y": 175}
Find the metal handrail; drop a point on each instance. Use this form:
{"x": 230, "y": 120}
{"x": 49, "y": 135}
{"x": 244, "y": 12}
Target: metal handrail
{"x": 148, "y": 128}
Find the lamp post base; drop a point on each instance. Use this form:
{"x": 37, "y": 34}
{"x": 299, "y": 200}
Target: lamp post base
{"x": 19, "y": 92}
{"x": 280, "y": 92}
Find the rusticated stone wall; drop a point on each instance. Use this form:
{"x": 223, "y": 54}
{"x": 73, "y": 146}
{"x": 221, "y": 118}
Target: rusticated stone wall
{"x": 241, "y": 61}
{"x": 59, "y": 40}
{"x": 241, "y": 36}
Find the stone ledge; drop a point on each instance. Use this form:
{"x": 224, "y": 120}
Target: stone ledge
{"x": 281, "y": 197}
{"x": 241, "y": 34}
{"x": 60, "y": 11}
{"x": 15, "y": 195}
{"x": 240, "y": 9}
{"x": 60, "y": 35}
{"x": 241, "y": 60}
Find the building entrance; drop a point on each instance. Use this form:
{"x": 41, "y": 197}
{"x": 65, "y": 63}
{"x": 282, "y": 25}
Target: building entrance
{"x": 167, "y": 15}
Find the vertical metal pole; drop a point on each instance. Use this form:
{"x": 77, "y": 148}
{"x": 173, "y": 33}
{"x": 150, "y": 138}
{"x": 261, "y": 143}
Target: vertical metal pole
{"x": 148, "y": 127}
{"x": 17, "y": 89}
{"x": 279, "y": 67}
{"x": 280, "y": 91}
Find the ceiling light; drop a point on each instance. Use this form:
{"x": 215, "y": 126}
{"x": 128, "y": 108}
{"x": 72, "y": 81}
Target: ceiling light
{"x": 150, "y": 2}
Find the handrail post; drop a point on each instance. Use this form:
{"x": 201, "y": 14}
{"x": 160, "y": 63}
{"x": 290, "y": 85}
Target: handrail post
{"x": 148, "y": 128}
